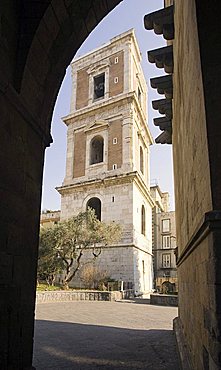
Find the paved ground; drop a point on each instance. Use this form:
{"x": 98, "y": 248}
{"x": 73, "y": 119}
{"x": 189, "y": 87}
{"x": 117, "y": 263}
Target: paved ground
{"x": 104, "y": 335}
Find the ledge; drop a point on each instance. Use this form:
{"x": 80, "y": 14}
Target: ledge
{"x": 163, "y": 58}
{"x": 164, "y": 106}
{"x": 162, "y": 22}
{"x": 164, "y": 85}
{"x": 164, "y": 138}
{"x": 211, "y": 222}
{"x": 163, "y": 123}
{"x": 122, "y": 178}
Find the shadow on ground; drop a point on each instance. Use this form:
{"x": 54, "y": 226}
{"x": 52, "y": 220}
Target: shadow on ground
{"x": 61, "y": 345}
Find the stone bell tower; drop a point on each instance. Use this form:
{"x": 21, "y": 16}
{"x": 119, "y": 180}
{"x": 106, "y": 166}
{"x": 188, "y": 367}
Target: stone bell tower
{"x": 107, "y": 165}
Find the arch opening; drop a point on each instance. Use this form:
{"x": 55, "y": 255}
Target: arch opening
{"x": 95, "y": 204}
{"x": 97, "y": 150}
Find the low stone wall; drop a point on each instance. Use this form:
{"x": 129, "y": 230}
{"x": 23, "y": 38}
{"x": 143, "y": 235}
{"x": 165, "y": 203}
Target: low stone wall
{"x": 79, "y": 295}
{"x": 164, "y": 299}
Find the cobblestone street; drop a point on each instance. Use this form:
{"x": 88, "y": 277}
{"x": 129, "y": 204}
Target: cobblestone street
{"x": 104, "y": 335}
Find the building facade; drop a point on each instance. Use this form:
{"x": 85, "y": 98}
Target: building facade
{"x": 164, "y": 243}
{"x": 49, "y": 218}
{"x": 191, "y": 116}
{"x": 107, "y": 166}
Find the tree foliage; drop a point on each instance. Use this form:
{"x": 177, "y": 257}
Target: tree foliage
{"x": 48, "y": 262}
{"x": 62, "y": 246}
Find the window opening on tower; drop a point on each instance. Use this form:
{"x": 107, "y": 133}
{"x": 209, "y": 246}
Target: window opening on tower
{"x": 99, "y": 86}
{"x": 97, "y": 150}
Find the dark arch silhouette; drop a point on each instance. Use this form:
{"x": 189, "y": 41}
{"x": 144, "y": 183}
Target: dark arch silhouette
{"x": 43, "y": 39}
{"x": 97, "y": 150}
{"x": 95, "y": 204}
{"x": 38, "y": 41}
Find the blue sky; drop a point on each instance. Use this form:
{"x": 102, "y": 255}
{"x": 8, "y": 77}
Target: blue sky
{"x": 128, "y": 14}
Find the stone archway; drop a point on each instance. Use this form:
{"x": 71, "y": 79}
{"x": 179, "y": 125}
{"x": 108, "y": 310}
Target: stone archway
{"x": 37, "y": 41}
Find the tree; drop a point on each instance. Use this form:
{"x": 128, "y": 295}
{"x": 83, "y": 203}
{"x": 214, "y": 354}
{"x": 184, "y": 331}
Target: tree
{"x": 48, "y": 262}
{"x": 64, "y": 244}
{"x": 94, "y": 277}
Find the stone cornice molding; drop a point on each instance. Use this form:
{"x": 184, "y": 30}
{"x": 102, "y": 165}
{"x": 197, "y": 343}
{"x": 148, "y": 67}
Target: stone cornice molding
{"x": 114, "y": 43}
{"x": 97, "y": 67}
{"x": 93, "y": 183}
{"x": 97, "y": 125}
{"x": 129, "y": 177}
{"x": 162, "y": 22}
{"x": 211, "y": 222}
{"x": 130, "y": 97}
{"x": 143, "y": 188}
{"x": 126, "y": 245}
{"x": 97, "y": 106}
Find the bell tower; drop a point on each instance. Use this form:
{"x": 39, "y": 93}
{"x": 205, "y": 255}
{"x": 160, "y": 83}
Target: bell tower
{"x": 107, "y": 165}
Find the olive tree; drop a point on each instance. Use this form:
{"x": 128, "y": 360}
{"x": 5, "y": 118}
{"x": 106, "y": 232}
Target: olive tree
{"x": 63, "y": 245}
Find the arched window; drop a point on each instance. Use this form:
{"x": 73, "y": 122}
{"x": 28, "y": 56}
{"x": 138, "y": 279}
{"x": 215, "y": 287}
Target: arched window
{"x": 143, "y": 220}
{"x": 95, "y": 204}
{"x": 96, "y": 150}
{"x": 141, "y": 160}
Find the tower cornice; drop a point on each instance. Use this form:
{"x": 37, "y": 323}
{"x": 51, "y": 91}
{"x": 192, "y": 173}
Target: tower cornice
{"x": 130, "y": 177}
{"x": 130, "y": 97}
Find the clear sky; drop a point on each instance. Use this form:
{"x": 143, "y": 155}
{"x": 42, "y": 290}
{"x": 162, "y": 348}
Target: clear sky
{"x": 128, "y": 14}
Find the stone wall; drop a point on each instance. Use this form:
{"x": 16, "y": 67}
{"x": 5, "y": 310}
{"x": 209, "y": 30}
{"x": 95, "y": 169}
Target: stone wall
{"x": 121, "y": 263}
{"x": 65, "y": 296}
{"x": 37, "y": 43}
{"x": 115, "y": 149}
{"x": 190, "y": 149}
{"x": 197, "y": 223}
{"x": 21, "y": 166}
{"x": 194, "y": 302}
{"x": 118, "y": 204}
{"x": 79, "y": 154}
{"x": 111, "y": 194}
{"x": 82, "y": 89}
{"x": 139, "y": 199}
{"x": 116, "y": 70}
{"x": 164, "y": 300}
{"x": 116, "y": 262}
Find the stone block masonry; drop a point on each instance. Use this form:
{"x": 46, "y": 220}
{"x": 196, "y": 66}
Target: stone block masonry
{"x": 66, "y": 296}
{"x": 164, "y": 300}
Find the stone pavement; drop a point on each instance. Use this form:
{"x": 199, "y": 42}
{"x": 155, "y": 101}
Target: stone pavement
{"x": 89, "y": 335}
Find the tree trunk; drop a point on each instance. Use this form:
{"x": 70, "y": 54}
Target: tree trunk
{"x": 67, "y": 278}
